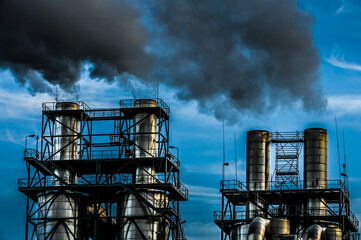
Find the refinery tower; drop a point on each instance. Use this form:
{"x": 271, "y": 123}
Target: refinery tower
{"x": 103, "y": 174}
{"x": 290, "y": 207}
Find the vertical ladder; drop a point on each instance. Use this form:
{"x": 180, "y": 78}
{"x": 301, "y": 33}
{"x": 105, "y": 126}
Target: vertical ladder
{"x": 115, "y": 138}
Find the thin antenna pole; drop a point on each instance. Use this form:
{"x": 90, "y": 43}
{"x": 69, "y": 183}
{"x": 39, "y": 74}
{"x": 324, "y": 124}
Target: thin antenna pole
{"x": 56, "y": 93}
{"x": 224, "y": 161}
{"x": 235, "y": 153}
{"x": 224, "y": 153}
{"x": 338, "y": 149}
{"x": 157, "y": 89}
{"x": 344, "y": 159}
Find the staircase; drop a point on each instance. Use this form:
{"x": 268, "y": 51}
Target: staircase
{"x": 177, "y": 228}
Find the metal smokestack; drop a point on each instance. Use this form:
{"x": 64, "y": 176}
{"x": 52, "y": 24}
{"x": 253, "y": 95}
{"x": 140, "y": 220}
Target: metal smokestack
{"x": 145, "y": 142}
{"x": 55, "y": 206}
{"x": 258, "y": 164}
{"x": 315, "y": 167}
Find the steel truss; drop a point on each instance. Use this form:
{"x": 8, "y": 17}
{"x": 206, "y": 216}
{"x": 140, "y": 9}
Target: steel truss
{"x": 104, "y": 170}
{"x": 288, "y": 149}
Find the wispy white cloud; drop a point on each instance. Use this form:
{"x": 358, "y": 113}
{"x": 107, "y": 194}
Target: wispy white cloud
{"x": 12, "y": 136}
{"x": 341, "y": 63}
{"x": 343, "y": 8}
{"x": 203, "y": 191}
{"x": 216, "y": 169}
{"x": 345, "y": 104}
{"x": 20, "y": 105}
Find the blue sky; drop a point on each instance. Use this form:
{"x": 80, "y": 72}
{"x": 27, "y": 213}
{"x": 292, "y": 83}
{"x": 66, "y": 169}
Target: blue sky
{"x": 337, "y": 34}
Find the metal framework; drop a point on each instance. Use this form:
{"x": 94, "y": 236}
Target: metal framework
{"x": 104, "y": 167}
{"x": 286, "y": 197}
{"x": 286, "y": 202}
{"x": 288, "y": 149}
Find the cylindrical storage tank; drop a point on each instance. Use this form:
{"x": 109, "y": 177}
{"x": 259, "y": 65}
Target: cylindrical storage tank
{"x": 258, "y": 164}
{"x": 240, "y": 232}
{"x": 333, "y": 232}
{"x": 145, "y": 130}
{"x": 145, "y": 139}
{"x": 315, "y": 167}
{"x": 63, "y": 208}
{"x": 279, "y": 226}
{"x": 52, "y": 208}
{"x": 146, "y": 221}
{"x": 65, "y": 137}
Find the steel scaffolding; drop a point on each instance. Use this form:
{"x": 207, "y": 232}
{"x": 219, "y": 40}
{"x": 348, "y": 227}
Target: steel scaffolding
{"x": 104, "y": 167}
{"x": 288, "y": 149}
{"x": 286, "y": 198}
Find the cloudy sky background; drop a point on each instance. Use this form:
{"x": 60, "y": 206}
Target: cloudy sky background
{"x": 336, "y": 34}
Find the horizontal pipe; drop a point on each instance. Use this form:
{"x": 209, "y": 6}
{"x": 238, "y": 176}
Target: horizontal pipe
{"x": 257, "y": 229}
{"x": 314, "y": 232}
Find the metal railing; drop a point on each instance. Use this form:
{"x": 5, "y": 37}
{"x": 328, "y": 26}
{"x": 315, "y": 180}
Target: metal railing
{"x": 129, "y": 103}
{"x": 296, "y": 136}
{"x": 102, "y": 113}
{"x": 31, "y": 153}
{"x": 51, "y": 106}
{"x": 104, "y": 154}
{"x": 233, "y": 185}
{"x": 276, "y": 185}
{"x": 299, "y": 211}
{"x": 242, "y": 187}
{"x": 94, "y": 180}
{"x": 238, "y": 215}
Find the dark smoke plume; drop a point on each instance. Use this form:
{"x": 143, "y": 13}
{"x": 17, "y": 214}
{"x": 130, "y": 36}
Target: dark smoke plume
{"x": 245, "y": 55}
{"x": 54, "y": 38}
{"x": 234, "y": 56}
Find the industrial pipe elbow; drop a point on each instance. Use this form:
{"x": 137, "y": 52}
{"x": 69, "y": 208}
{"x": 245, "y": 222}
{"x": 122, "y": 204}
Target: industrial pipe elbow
{"x": 314, "y": 232}
{"x": 257, "y": 229}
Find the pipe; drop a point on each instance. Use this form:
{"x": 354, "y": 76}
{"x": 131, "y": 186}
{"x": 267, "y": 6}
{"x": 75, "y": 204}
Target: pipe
{"x": 61, "y": 206}
{"x": 257, "y": 229}
{"x": 315, "y": 167}
{"x": 258, "y": 165}
{"x": 314, "y": 232}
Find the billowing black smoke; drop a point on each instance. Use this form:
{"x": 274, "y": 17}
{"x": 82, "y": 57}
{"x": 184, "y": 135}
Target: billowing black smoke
{"x": 241, "y": 54}
{"x": 54, "y": 38}
{"x": 231, "y": 56}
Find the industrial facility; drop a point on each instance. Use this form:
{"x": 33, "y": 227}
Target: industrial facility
{"x": 103, "y": 174}
{"x": 286, "y": 207}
